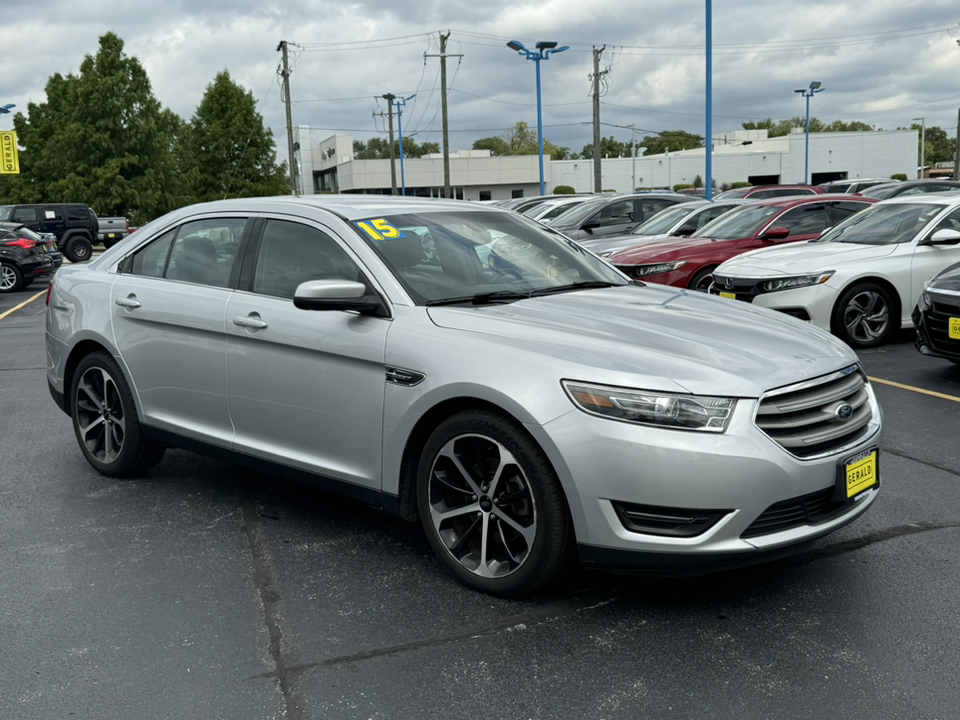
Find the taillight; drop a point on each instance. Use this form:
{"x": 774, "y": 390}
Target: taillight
{"x": 25, "y": 243}
{"x": 50, "y": 290}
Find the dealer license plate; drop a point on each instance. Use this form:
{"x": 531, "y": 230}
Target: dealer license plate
{"x": 730, "y": 296}
{"x": 859, "y": 474}
{"x": 110, "y": 235}
{"x": 954, "y": 328}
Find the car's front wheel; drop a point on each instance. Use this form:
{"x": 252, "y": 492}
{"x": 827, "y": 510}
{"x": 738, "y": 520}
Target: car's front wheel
{"x": 702, "y": 281}
{"x": 105, "y": 420}
{"x": 864, "y": 316}
{"x": 491, "y": 504}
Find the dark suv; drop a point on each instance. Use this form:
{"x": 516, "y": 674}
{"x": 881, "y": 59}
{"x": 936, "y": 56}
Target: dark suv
{"x": 75, "y": 226}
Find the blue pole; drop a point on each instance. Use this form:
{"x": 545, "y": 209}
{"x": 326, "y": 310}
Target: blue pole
{"x": 709, "y": 148}
{"x": 806, "y": 150}
{"x": 536, "y": 59}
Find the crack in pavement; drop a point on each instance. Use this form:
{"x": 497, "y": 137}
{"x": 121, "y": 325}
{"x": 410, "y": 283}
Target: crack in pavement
{"x": 265, "y": 583}
{"x": 521, "y": 621}
{"x": 935, "y": 466}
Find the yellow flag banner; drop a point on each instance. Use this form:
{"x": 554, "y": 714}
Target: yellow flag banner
{"x": 9, "y": 156}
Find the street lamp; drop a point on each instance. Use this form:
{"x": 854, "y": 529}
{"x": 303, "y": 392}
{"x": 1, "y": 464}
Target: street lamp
{"x": 808, "y": 93}
{"x": 923, "y": 145}
{"x": 400, "y": 105}
{"x": 543, "y": 52}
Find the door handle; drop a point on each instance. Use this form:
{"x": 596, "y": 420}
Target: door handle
{"x": 250, "y": 321}
{"x": 130, "y": 302}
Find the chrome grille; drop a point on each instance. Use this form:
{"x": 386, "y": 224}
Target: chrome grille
{"x": 820, "y": 416}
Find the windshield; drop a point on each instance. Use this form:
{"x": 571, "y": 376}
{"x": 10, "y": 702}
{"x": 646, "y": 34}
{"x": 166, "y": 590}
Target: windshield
{"x": 883, "y": 224}
{"x": 735, "y": 193}
{"x": 745, "y": 221}
{"x": 444, "y": 257}
{"x": 665, "y": 220}
{"x": 879, "y": 191}
{"x": 556, "y": 210}
{"x": 578, "y": 213}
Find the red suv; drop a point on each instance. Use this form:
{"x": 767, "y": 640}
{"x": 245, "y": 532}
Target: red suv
{"x": 690, "y": 262}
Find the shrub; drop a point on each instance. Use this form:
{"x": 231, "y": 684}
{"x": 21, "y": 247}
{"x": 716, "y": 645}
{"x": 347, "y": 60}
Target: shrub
{"x": 740, "y": 185}
{"x": 681, "y": 186}
{"x": 898, "y": 176}
{"x": 564, "y": 190}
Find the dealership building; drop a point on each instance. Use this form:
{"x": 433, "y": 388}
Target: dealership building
{"x": 326, "y": 164}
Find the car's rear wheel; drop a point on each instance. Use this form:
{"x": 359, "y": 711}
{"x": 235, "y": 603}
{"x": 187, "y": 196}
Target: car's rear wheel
{"x": 491, "y": 504}
{"x": 702, "y": 280}
{"x": 78, "y": 249}
{"x": 105, "y": 420}
{"x": 864, "y": 316}
{"x": 11, "y": 279}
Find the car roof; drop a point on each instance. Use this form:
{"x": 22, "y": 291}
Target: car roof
{"x": 951, "y": 197}
{"x": 791, "y": 200}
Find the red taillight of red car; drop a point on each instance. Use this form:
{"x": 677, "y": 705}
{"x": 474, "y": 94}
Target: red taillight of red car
{"x": 25, "y": 243}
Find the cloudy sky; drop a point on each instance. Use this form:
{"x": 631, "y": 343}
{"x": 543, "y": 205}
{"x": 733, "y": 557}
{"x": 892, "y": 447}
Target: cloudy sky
{"x": 883, "y": 62}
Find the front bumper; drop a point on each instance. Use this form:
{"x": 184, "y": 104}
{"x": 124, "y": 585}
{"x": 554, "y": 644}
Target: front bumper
{"x": 814, "y": 303}
{"x": 742, "y": 473}
{"x": 933, "y": 336}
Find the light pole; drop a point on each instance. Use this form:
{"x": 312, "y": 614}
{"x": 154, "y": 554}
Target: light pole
{"x": 808, "y": 93}
{"x": 400, "y": 105}
{"x": 543, "y": 52}
{"x": 923, "y": 145}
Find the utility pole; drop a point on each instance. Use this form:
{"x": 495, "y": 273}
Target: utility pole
{"x": 285, "y": 74}
{"x": 389, "y": 97}
{"x": 447, "y": 193}
{"x": 597, "y": 174}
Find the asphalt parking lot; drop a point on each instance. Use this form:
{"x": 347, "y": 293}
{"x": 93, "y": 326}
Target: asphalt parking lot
{"x": 206, "y": 591}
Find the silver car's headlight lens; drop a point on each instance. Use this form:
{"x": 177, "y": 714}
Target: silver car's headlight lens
{"x": 796, "y": 281}
{"x": 669, "y": 410}
{"x": 644, "y": 270}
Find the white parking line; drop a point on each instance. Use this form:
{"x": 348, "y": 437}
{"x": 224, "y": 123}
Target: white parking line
{"x": 12, "y": 310}
{"x": 914, "y": 389}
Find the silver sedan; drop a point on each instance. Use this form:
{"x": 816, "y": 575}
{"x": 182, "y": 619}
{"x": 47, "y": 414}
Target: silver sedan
{"x": 466, "y": 367}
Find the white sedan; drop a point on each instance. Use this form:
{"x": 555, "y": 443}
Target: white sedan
{"x": 860, "y": 279}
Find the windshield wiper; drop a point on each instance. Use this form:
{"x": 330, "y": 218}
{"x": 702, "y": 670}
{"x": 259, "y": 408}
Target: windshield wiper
{"x": 481, "y": 298}
{"x": 582, "y": 285}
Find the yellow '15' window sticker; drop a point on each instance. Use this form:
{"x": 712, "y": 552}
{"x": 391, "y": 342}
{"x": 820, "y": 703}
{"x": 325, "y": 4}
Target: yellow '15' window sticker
{"x": 379, "y": 229}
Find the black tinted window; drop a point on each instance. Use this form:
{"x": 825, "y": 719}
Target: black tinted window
{"x": 292, "y": 253}
{"x": 804, "y": 220}
{"x": 77, "y": 212}
{"x": 25, "y": 215}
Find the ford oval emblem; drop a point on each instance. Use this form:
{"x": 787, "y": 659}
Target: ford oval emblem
{"x": 843, "y": 411}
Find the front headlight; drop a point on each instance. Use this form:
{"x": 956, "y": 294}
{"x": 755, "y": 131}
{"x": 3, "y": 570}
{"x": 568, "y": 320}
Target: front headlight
{"x": 669, "y": 410}
{"x": 655, "y": 269}
{"x": 796, "y": 281}
{"x": 924, "y": 303}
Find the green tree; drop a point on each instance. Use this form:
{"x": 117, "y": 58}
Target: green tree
{"x": 938, "y": 146}
{"x": 610, "y": 147}
{"x": 379, "y": 148}
{"x": 521, "y": 140}
{"x": 670, "y": 140}
{"x": 229, "y": 151}
{"x": 100, "y": 138}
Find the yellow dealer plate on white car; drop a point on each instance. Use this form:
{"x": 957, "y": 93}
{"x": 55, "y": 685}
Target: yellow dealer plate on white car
{"x": 731, "y": 296}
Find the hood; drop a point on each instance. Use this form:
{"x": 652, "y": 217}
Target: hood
{"x": 657, "y": 338}
{"x": 671, "y": 248}
{"x": 800, "y": 258}
{"x": 618, "y": 243}
{"x": 948, "y": 279}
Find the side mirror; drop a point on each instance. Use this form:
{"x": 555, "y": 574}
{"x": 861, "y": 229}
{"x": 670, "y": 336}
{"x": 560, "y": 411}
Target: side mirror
{"x": 338, "y": 295}
{"x": 777, "y": 232}
{"x": 686, "y": 230}
{"x": 590, "y": 226}
{"x": 943, "y": 237}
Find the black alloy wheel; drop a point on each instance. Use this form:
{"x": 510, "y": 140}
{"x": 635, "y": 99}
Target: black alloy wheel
{"x": 105, "y": 420}
{"x": 491, "y": 504}
{"x": 864, "y": 316}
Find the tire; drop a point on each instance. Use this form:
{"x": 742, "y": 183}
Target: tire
{"x": 481, "y": 477}
{"x": 11, "y": 279}
{"x": 78, "y": 249}
{"x": 702, "y": 279}
{"x": 105, "y": 420}
{"x": 864, "y": 316}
